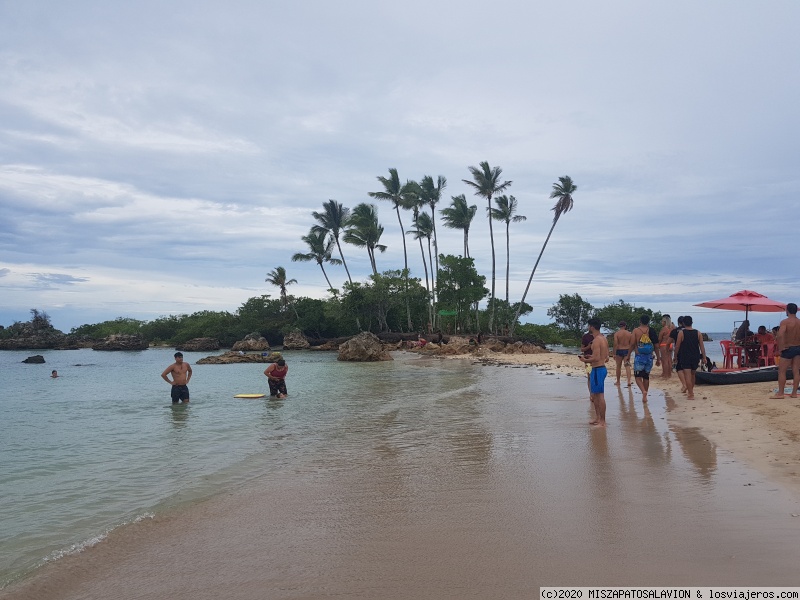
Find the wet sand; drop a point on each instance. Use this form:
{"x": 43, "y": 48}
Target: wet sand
{"x": 486, "y": 495}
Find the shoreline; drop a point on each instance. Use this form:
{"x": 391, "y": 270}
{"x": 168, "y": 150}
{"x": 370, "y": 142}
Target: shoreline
{"x": 741, "y": 418}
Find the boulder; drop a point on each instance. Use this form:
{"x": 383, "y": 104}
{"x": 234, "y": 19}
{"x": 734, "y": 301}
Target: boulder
{"x": 252, "y": 342}
{"x": 365, "y": 347}
{"x": 199, "y": 345}
{"x": 523, "y": 348}
{"x": 37, "y": 359}
{"x": 295, "y": 340}
{"x": 231, "y": 358}
{"x": 121, "y": 342}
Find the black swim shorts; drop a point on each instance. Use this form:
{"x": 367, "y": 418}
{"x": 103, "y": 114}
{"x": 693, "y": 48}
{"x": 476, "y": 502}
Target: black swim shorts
{"x": 179, "y": 392}
{"x": 790, "y": 352}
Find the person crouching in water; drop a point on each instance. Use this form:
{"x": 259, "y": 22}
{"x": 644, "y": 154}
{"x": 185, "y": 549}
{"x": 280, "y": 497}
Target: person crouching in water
{"x": 276, "y": 377}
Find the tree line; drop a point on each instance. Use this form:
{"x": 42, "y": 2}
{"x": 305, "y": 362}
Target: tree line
{"x": 452, "y": 286}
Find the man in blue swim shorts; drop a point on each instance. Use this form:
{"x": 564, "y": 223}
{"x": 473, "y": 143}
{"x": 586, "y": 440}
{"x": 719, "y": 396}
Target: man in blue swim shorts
{"x": 597, "y": 378}
{"x": 643, "y": 346}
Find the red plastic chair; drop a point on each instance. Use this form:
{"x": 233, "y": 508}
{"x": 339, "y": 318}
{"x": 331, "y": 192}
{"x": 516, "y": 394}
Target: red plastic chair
{"x": 767, "y": 354}
{"x": 729, "y": 351}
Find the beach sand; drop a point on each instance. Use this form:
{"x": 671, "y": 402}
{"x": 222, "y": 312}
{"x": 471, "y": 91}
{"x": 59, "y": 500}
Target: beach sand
{"x": 509, "y": 489}
{"x": 741, "y": 418}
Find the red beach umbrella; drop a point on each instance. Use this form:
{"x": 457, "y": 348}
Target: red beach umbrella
{"x": 747, "y": 301}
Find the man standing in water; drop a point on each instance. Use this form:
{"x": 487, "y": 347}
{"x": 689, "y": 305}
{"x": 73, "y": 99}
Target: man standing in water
{"x": 597, "y": 377}
{"x": 181, "y": 374}
{"x": 789, "y": 346}
{"x": 622, "y": 349}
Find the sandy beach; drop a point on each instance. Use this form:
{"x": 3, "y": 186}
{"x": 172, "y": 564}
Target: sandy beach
{"x": 741, "y": 418}
{"x": 487, "y": 493}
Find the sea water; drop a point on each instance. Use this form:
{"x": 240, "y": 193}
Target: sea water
{"x": 102, "y": 445}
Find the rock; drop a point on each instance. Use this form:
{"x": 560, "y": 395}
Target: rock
{"x": 295, "y": 340}
{"x": 252, "y": 342}
{"x": 230, "y": 358}
{"x": 37, "y": 359}
{"x": 121, "y": 342}
{"x": 365, "y": 347}
{"x": 199, "y": 345}
{"x": 522, "y": 348}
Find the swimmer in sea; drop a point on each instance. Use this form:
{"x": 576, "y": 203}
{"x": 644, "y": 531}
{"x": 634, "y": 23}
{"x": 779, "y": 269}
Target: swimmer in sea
{"x": 622, "y": 344}
{"x": 181, "y": 374}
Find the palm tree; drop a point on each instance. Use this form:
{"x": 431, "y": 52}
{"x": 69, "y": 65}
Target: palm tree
{"x": 393, "y": 192}
{"x": 320, "y": 250}
{"x": 486, "y": 183}
{"x": 459, "y": 216}
{"x": 332, "y": 220}
{"x": 506, "y": 207}
{"x": 277, "y": 277}
{"x": 432, "y": 193}
{"x": 423, "y": 229}
{"x": 364, "y": 231}
{"x": 562, "y": 192}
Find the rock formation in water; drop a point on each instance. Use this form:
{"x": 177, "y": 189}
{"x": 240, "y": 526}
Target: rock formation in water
{"x": 365, "y": 347}
{"x": 295, "y": 340}
{"x": 230, "y": 358}
{"x": 37, "y": 359}
{"x": 204, "y": 344}
{"x": 252, "y": 342}
{"x": 121, "y": 342}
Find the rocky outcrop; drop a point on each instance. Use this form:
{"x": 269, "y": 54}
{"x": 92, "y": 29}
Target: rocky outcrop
{"x": 37, "y": 359}
{"x": 523, "y": 348}
{"x": 121, "y": 342}
{"x": 295, "y": 340}
{"x": 365, "y": 347}
{"x": 231, "y": 358}
{"x": 252, "y": 342}
{"x": 204, "y": 344}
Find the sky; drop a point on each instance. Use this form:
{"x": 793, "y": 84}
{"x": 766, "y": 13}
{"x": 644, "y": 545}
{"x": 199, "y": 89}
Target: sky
{"x": 162, "y": 158}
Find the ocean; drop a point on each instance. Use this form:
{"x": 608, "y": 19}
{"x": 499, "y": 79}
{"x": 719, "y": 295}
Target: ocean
{"x": 442, "y": 476}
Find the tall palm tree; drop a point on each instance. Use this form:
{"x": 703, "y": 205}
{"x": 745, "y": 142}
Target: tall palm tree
{"x": 486, "y": 182}
{"x": 393, "y": 192}
{"x": 459, "y": 216}
{"x": 423, "y": 230}
{"x": 332, "y": 220}
{"x": 320, "y": 248}
{"x": 562, "y": 192}
{"x": 432, "y": 193}
{"x": 364, "y": 231}
{"x": 505, "y": 211}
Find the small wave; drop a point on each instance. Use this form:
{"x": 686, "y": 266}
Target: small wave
{"x": 92, "y": 541}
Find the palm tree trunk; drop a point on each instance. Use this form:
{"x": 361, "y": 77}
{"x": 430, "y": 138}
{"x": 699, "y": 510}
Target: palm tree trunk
{"x": 466, "y": 243}
{"x": 405, "y": 273}
{"x": 330, "y": 287}
{"x": 436, "y": 254}
{"x": 434, "y": 322}
{"x": 508, "y": 258}
{"x": 344, "y": 262}
{"x": 527, "y": 287}
{"x": 491, "y": 239}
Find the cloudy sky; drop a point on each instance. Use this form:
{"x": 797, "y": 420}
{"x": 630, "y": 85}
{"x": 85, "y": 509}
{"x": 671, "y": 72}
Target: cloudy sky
{"x": 162, "y": 157}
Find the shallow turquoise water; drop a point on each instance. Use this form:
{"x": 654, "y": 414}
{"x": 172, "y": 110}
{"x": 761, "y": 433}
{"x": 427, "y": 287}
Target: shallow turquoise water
{"x": 102, "y": 444}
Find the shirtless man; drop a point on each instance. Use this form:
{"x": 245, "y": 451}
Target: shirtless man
{"x": 643, "y": 355}
{"x": 181, "y": 374}
{"x": 598, "y": 375}
{"x": 788, "y": 341}
{"x": 622, "y": 350}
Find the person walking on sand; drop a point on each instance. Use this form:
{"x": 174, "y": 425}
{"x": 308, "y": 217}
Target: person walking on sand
{"x": 643, "y": 347}
{"x": 788, "y": 340}
{"x": 586, "y": 351}
{"x": 622, "y": 350}
{"x": 689, "y": 350}
{"x": 665, "y": 346}
{"x": 674, "y": 337}
{"x": 597, "y": 377}
{"x": 276, "y": 377}
{"x": 181, "y": 374}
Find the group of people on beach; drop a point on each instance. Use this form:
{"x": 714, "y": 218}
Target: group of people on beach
{"x": 680, "y": 348}
{"x": 181, "y": 373}
{"x": 646, "y": 347}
